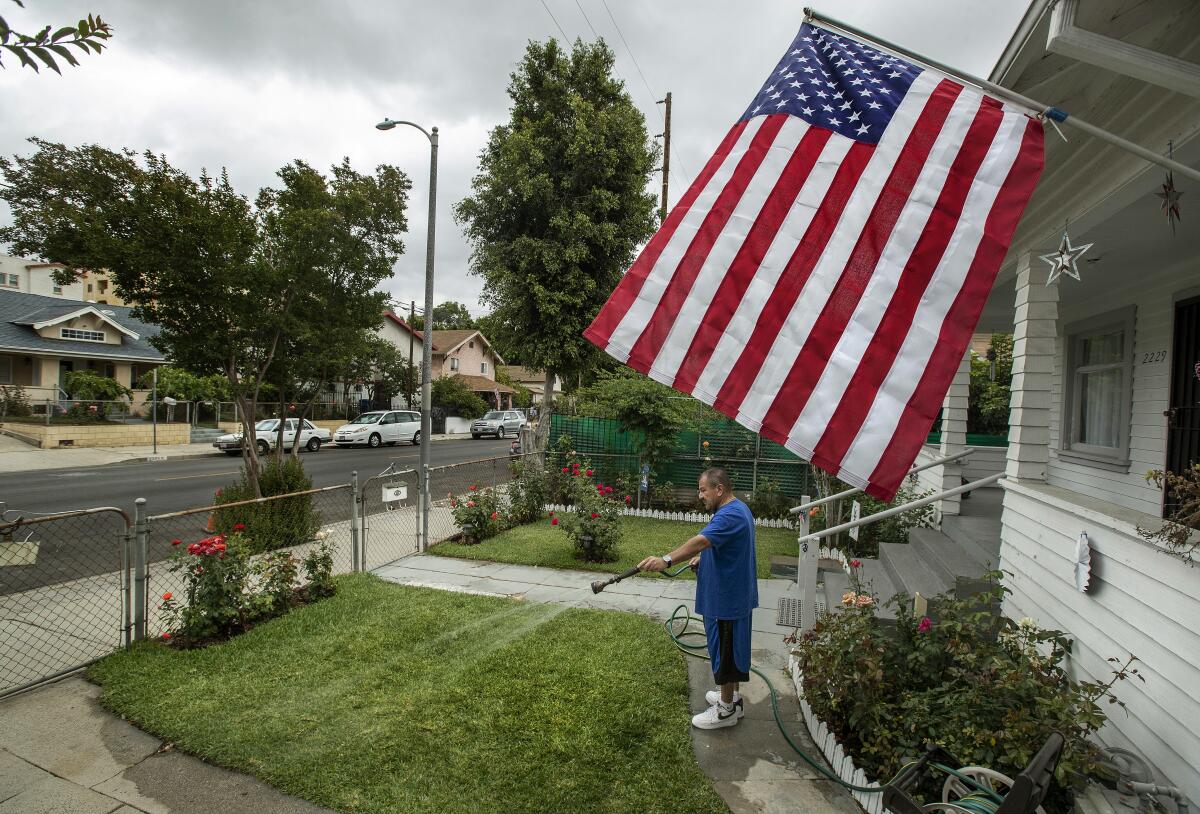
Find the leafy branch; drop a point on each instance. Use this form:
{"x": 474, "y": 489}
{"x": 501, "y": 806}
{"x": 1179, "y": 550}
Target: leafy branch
{"x": 88, "y": 35}
{"x": 1178, "y": 532}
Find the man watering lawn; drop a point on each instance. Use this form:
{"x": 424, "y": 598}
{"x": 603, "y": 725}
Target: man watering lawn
{"x": 726, "y": 593}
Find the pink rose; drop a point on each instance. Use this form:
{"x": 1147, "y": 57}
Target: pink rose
{"x": 925, "y": 625}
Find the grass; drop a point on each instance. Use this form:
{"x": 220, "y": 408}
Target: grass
{"x": 387, "y": 698}
{"x": 544, "y": 544}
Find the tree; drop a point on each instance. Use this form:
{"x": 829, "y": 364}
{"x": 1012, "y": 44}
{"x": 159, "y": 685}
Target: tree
{"x": 186, "y": 386}
{"x": 88, "y": 35}
{"x": 651, "y": 412}
{"x": 88, "y": 385}
{"x": 234, "y": 289}
{"x": 490, "y": 326}
{"x": 452, "y": 394}
{"x": 559, "y": 206}
{"x": 522, "y": 395}
{"x": 449, "y": 316}
{"x": 989, "y": 394}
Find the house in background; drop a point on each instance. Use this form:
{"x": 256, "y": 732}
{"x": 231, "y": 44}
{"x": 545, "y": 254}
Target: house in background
{"x": 98, "y": 288}
{"x": 33, "y": 277}
{"x": 43, "y": 338}
{"x": 532, "y": 380}
{"x": 1106, "y": 368}
{"x": 468, "y": 355}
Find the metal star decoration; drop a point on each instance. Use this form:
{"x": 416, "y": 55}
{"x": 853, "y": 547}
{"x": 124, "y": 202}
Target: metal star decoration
{"x": 1170, "y": 200}
{"x": 1064, "y": 260}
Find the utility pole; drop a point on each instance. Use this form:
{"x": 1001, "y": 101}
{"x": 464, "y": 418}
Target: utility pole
{"x": 666, "y": 167}
{"x": 412, "y": 313}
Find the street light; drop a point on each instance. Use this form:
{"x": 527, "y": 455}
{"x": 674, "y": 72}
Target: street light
{"x": 426, "y": 339}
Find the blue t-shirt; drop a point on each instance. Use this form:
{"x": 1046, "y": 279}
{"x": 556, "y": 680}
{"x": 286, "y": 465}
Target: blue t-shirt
{"x": 727, "y": 585}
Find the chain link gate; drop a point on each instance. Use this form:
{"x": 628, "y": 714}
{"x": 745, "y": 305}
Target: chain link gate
{"x": 390, "y": 517}
{"x": 64, "y": 592}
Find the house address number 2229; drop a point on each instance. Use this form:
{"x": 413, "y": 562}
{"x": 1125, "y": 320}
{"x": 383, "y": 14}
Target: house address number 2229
{"x": 1151, "y": 358}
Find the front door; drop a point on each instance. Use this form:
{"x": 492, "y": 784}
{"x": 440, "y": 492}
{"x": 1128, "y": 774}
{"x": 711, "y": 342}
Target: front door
{"x": 64, "y": 367}
{"x": 1183, "y": 417}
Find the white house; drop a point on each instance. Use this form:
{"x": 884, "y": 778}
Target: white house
{"x": 1105, "y": 375}
{"x": 33, "y": 277}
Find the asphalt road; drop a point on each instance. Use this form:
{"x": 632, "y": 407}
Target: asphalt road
{"x": 85, "y": 546}
{"x": 173, "y": 485}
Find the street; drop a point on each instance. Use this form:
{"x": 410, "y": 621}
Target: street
{"x": 174, "y": 485}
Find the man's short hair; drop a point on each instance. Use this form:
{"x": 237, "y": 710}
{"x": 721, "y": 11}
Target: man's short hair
{"x": 716, "y": 476}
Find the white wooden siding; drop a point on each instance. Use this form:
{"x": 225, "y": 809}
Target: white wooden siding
{"x": 1153, "y": 295}
{"x": 1140, "y": 601}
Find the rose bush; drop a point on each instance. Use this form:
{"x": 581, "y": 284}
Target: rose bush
{"x": 477, "y": 513}
{"x": 591, "y": 521}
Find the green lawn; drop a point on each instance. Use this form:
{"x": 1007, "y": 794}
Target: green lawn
{"x": 544, "y": 544}
{"x": 387, "y": 698}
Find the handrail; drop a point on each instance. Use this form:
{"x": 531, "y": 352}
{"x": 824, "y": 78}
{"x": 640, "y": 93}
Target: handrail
{"x": 948, "y": 459}
{"x": 895, "y": 510}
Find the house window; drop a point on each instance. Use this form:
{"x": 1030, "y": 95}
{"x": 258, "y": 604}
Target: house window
{"x": 453, "y": 363}
{"x": 86, "y": 336}
{"x": 57, "y": 289}
{"x": 13, "y": 280}
{"x": 133, "y": 377}
{"x": 471, "y": 344}
{"x": 6, "y": 375}
{"x": 1098, "y": 389}
{"x": 483, "y": 367}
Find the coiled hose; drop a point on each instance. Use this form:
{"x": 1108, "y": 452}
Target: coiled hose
{"x": 981, "y": 801}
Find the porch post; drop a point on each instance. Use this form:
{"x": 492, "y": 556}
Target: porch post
{"x": 954, "y": 432}
{"x": 1035, "y": 326}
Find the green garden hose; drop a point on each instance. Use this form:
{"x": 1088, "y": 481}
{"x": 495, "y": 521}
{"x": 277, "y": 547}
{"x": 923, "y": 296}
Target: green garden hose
{"x": 982, "y": 801}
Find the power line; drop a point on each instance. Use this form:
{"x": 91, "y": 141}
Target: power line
{"x": 586, "y": 20}
{"x": 552, "y": 17}
{"x": 686, "y": 178}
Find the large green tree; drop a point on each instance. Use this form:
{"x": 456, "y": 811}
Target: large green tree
{"x": 234, "y": 289}
{"x": 560, "y": 204}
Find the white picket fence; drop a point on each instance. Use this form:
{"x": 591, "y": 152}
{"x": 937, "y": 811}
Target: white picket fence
{"x": 686, "y": 517}
{"x": 841, "y": 762}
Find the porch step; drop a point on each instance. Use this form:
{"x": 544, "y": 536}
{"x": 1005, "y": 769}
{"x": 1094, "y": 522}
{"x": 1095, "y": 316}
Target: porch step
{"x": 978, "y": 536}
{"x": 205, "y": 435}
{"x": 949, "y": 558}
{"x": 874, "y": 579}
{"x": 910, "y": 572}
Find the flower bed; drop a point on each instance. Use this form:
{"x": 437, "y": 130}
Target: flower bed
{"x": 987, "y": 690}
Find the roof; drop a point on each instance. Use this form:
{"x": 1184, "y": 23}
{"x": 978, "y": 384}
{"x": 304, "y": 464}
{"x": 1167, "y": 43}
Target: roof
{"x": 406, "y": 326}
{"x": 523, "y": 374}
{"x": 20, "y": 312}
{"x": 482, "y": 384}
{"x": 449, "y": 341}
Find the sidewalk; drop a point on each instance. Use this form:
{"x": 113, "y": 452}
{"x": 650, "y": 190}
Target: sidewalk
{"x": 60, "y": 752}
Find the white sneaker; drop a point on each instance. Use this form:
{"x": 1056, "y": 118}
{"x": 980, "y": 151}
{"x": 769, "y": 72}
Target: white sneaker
{"x": 716, "y": 716}
{"x": 713, "y": 697}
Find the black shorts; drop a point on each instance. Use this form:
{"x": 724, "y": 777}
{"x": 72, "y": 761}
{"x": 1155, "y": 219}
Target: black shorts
{"x": 725, "y": 668}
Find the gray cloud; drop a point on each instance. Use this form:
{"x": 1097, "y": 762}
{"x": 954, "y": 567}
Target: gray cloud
{"x": 251, "y": 86}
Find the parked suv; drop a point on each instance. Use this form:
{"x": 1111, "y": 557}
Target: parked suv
{"x": 380, "y": 427}
{"x": 498, "y": 423}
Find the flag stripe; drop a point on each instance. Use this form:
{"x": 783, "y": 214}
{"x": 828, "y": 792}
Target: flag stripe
{"x": 643, "y": 306}
{"x": 905, "y": 374}
{"x": 956, "y": 333}
{"x": 614, "y": 310}
{"x": 813, "y": 357}
{"x": 755, "y": 379}
{"x": 885, "y": 343}
{"x": 749, "y": 259}
{"x": 641, "y": 356}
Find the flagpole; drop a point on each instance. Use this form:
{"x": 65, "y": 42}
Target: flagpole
{"x": 1049, "y": 111}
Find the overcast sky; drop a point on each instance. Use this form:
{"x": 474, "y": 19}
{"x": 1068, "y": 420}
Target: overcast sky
{"x": 253, "y": 85}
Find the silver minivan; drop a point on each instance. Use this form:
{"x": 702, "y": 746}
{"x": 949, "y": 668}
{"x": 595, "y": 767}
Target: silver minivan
{"x": 380, "y": 427}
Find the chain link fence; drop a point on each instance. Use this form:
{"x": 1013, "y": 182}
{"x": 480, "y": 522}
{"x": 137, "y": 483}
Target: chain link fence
{"x": 391, "y": 523}
{"x": 64, "y": 592}
{"x": 454, "y": 481}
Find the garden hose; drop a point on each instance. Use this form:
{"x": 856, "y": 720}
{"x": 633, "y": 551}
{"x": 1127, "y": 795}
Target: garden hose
{"x": 982, "y": 801}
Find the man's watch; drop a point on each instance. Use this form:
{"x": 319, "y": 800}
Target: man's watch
{"x": 667, "y": 559}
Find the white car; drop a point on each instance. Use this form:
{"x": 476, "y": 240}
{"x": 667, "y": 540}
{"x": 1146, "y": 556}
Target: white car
{"x": 380, "y": 427}
{"x": 267, "y": 435}
{"x": 498, "y": 423}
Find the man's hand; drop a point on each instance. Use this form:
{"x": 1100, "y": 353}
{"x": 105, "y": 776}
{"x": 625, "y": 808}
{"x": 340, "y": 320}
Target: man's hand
{"x": 653, "y": 564}
{"x": 694, "y": 563}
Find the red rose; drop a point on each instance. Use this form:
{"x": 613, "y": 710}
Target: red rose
{"x": 239, "y": 526}
{"x": 474, "y": 488}
{"x": 176, "y": 542}
{"x": 564, "y": 470}
{"x": 551, "y": 514}
{"x": 166, "y": 636}
{"x": 454, "y": 504}
{"x": 167, "y": 596}
{"x": 554, "y": 521}
{"x": 589, "y": 473}
{"x": 855, "y": 563}
{"x": 495, "y": 515}
{"x": 193, "y": 548}
{"x": 471, "y": 504}
{"x": 594, "y": 515}
{"x": 628, "y": 499}
{"x": 219, "y": 546}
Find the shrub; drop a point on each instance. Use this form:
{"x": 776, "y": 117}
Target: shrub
{"x": 768, "y": 501}
{"x": 477, "y": 513}
{"x": 1178, "y": 532}
{"x": 87, "y": 385}
{"x": 14, "y": 402}
{"x": 986, "y": 689}
{"x": 226, "y": 590}
{"x": 271, "y": 524}
{"x": 527, "y": 492}
{"x": 892, "y": 530}
{"x": 591, "y": 522}
{"x": 454, "y": 396}
{"x": 559, "y": 463}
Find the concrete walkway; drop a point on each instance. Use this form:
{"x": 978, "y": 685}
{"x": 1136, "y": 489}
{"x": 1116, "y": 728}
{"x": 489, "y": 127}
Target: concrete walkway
{"x": 61, "y": 752}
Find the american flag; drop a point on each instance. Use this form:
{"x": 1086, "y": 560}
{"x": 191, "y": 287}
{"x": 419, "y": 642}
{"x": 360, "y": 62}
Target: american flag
{"x": 820, "y": 280}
